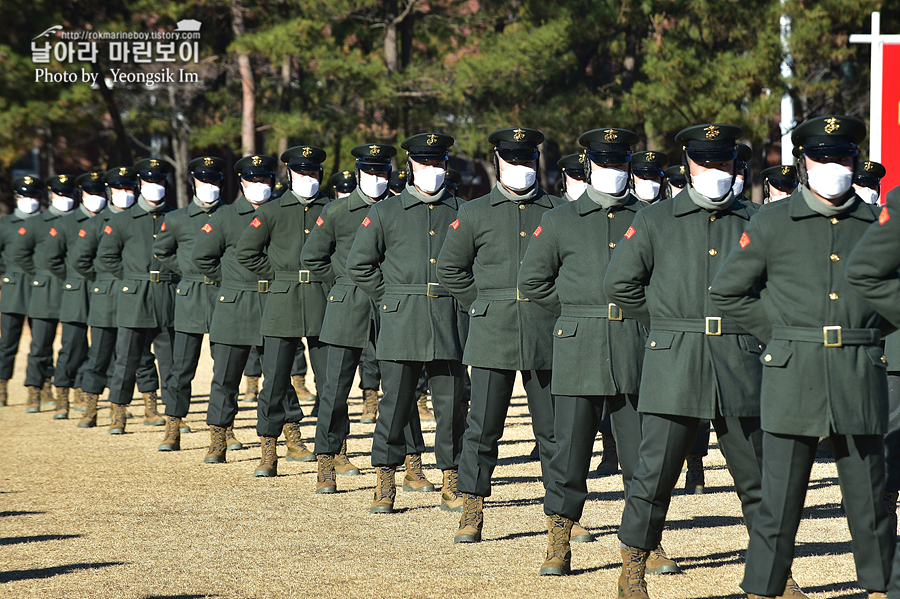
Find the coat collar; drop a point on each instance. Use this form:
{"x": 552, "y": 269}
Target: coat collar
{"x": 408, "y": 200}
{"x": 290, "y": 198}
{"x": 585, "y": 205}
{"x": 137, "y": 211}
{"x": 682, "y": 205}
{"x": 798, "y": 209}
{"x": 541, "y": 199}
{"x": 243, "y": 205}
{"x": 355, "y": 201}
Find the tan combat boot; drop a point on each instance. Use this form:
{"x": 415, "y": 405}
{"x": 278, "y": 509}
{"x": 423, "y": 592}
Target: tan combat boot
{"x": 792, "y": 590}
{"x": 151, "y": 416}
{"x": 252, "y": 391}
{"x": 117, "y": 419}
{"x": 451, "y": 498}
{"x": 231, "y": 442}
{"x": 559, "y": 554}
{"x": 299, "y": 383}
{"x": 877, "y": 595}
{"x": 62, "y": 404}
{"x": 385, "y": 491}
{"x": 172, "y": 440}
{"x": 472, "y": 520}
{"x": 268, "y": 465}
{"x": 33, "y": 403}
{"x": 631, "y": 582}
{"x": 425, "y": 415}
{"x": 342, "y": 464}
{"x": 325, "y": 482}
{"x": 694, "y": 481}
{"x": 370, "y": 406}
{"x": 609, "y": 461}
{"x": 415, "y": 480}
{"x": 580, "y": 535}
{"x": 218, "y": 446}
{"x": 78, "y": 400}
{"x": 4, "y": 398}
{"x": 47, "y": 394}
{"x": 296, "y": 449}
{"x": 660, "y": 563}
{"x": 89, "y": 420}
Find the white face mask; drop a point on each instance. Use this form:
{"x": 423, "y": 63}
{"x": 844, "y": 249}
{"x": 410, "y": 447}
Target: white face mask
{"x": 777, "y": 194}
{"x": 738, "y": 186}
{"x": 122, "y": 198}
{"x": 830, "y": 179}
{"x": 341, "y": 194}
{"x": 304, "y": 185}
{"x": 609, "y": 180}
{"x": 27, "y": 205}
{"x": 430, "y": 178}
{"x": 256, "y": 193}
{"x": 868, "y": 195}
{"x": 575, "y": 188}
{"x": 152, "y": 192}
{"x": 646, "y": 189}
{"x": 62, "y": 203}
{"x": 518, "y": 177}
{"x": 372, "y": 185}
{"x": 208, "y": 194}
{"x": 92, "y": 202}
{"x": 713, "y": 183}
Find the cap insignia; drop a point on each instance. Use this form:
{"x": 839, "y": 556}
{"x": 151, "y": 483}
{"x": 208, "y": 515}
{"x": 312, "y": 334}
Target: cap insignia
{"x": 431, "y": 139}
{"x": 123, "y": 171}
{"x": 712, "y": 132}
{"x": 832, "y": 125}
{"x": 94, "y": 176}
{"x": 785, "y": 170}
{"x": 581, "y": 158}
{"x": 28, "y": 180}
{"x": 154, "y": 162}
{"x": 681, "y": 169}
{"x": 208, "y": 161}
{"x": 374, "y": 150}
{"x": 307, "y": 152}
{"x": 611, "y": 135}
{"x": 518, "y": 134}
{"x": 869, "y": 166}
{"x": 256, "y": 161}
{"x": 63, "y": 178}
{"x": 346, "y": 174}
{"x": 651, "y": 156}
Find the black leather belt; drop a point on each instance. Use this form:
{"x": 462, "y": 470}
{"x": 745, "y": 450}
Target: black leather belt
{"x": 833, "y": 336}
{"x": 711, "y": 325}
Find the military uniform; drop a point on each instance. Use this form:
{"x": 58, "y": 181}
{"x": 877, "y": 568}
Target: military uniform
{"x": 697, "y": 365}
{"x": 675, "y": 180}
{"x": 648, "y": 168}
{"x": 393, "y": 260}
{"x": 573, "y": 177}
{"x": 46, "y": 293}
{"x": 341, "y": 184}
{"x": 146, "y": 293}
{"x": 16, "y": 292}
{"x": 779, "y": 182}
{"x": 479, "y": 264}
{"x": 824, "y": 372}
{"x": 195, "y": 295}
{"x": 73, "y": 314}
{"x": 867, "y": 181}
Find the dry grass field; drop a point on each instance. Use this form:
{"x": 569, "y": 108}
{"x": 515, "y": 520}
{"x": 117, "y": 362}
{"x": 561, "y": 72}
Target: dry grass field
{"x": 87, "y": 515}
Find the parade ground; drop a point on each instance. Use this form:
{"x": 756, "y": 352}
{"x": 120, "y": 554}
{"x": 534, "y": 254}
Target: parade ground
{"x": 87, "y": 515}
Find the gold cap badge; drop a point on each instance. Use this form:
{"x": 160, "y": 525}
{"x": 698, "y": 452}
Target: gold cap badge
{"x": 94, "y": 176}
{"x": 651, "y": 156}
{"x": 431, "y": 139}
{"x": 307, "y": 152}
{"x": 256, "y": 161}
{"x": 611, "y": 135}
{"x": 832, "y": 125}
{"x": 785, "y": 170}
{"x": 208, "y": 161}
{"x": 154, "y": 162}
{"x": 346, "y": 174}
{"x": 123, "y": 171}
{"x": 518, "y": 134}
{"x": 63, "y": 178}
{"x": 712, "y": 132}
{"x": 374, "y": 150}
{"x": 869, "y": 166}
{"x": 28, "y": 180}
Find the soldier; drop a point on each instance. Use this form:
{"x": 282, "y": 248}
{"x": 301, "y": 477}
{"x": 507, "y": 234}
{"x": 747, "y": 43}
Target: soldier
{"x": 46, "y": 289}
{"x": 342, "y": 183}
{"x": 572, "y": 176}
{"x": 349, "y": 328}
{"x": 252, "y": 372}
{"x": 147, "y": 295}
{"x": 779, "y": 182}
{"x": 452, "y": 181}
{"x": 16, "y": 290}
{"x": 675, "y": 180}
{"x": 73, "y": 313}
{"x": 393, "y": 261}
{"x": 195, "y": 295}
{"x": 270, "y": 247}
{"x": 648, "y": 175}
{"x": 478, "y": 265}
{"x": 697, "y": 366}
{"x": 824, "y": 371}
{"x": 562, "y": 271}
{"x": 234, "y": 331}
{"x": 397, "y": 182}
{"x": 867, "y": 181}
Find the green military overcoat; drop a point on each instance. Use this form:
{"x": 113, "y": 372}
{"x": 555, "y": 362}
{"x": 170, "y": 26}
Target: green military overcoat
{"x": 823, "y": 366}
{"x": 16, "y": 292}
{"x": 660, "y": 274}
{"x": 597, "y": 350}
{"x": 104, "y": 300}
{"x": 479, "y": 265}
{"x": 59, "y": 256}
{"x": 270, "y": 247}
{"x": 28, "y": 254}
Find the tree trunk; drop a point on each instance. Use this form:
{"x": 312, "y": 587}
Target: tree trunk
{"x": 248, "y": 86}
{"x": 123, "y": 150}
{"x": 285, "y": 106}
{"x": 391, "y": 56}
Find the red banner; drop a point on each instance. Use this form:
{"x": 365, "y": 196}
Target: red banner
{"x": 890, "y": 119}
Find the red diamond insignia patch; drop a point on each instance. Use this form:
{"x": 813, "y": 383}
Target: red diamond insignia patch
{"x": 629, "y": 232}
{"x": 884, "y": 216}
{"x": 22, "y": 231}
{"x": 455, "y": 224}
{"x": 163, "y": 227}
{"x": 206, "y": 228}
{"x": 745, "y": 241}
{"x": 107, "y": 229}
{"x": 54, "y": 232}
{"x": 537, "y": 231}
{"x": 319, "y": 222}
{"x": 255, "y": 223}
{"x": 366, "y": 222}
{"x": 82, "y": 233}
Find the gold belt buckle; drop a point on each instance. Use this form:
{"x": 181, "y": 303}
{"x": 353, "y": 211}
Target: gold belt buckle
{"x": 154, "y": 276}
{"x": 208, "y": 281}
{"x": 262, "y": 286}
{"x": 304, "y": 276}
{"x": 837, "y": 330}
{"x": 519, "y": 297}
{"x": 613, "y": 312}
{"x": 717, "y": 330}
{"x": 428, "y": 289}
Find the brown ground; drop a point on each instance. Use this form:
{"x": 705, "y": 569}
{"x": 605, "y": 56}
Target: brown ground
{"x": 87, "y": 515}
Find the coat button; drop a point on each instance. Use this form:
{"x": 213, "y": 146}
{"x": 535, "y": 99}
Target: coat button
{"x": 35, "y": 283}
{"x": 331, "y": 298}
{"x": 431, "y": 233}
{"x": 834, "y": 220}
{"x": 473, "y": 310}
{"x": 154, "y": 236}
{"x": 712, "y": 219}
{"x": 124, "y": 288}
{"x": 432, "y": 260}
{"x": 832, "y": 296}
{"x": 178, "y": 291}
{"x": 96, "y": 290}
{"x": 559, "y": 332}
{"x": 306, "y": 231}
{"x": 306, "y": 209}
{"x": 384, "y": 307}
{"x": 834, "y": 257}
{"x": 521, "y": 206}
{"x": 883, "y": 360}
{"x": 713, "y": 252}
{"x": 653, "y": 344}
{"x": 522, "y": 233}
{"x": 68, "y": 286}
{"x": 768, "y": 358}
{"x": 222, "y": 299}
{"x": 610, "y": 215}
{"x": 612, "y": 244}
{"x": 6, "y": 279}
{"x": 431, "y": 206}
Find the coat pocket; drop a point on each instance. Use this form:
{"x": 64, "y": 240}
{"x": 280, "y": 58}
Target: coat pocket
{"x": 337, "y": 295}
{"x": 183, "y": 289}
{"x": 279, "y": 286}
{"x": 227, "y": 296}
{"x": 101, "y": 287}
{"x": 479, "y": 308}
{"x": 565, "y": 328}
{"x": 776, "y": 355}
{"x": 390, "y": 304}
{"x": 73, "y": 285}
{"x": 660, "y": 340}
{"x": 876, "y": 356}
{"x": 129, "y": 287}
{"x": 751, "y": 344}
{"x": 10, "y": 280}
{"x": 40, "y": 281}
